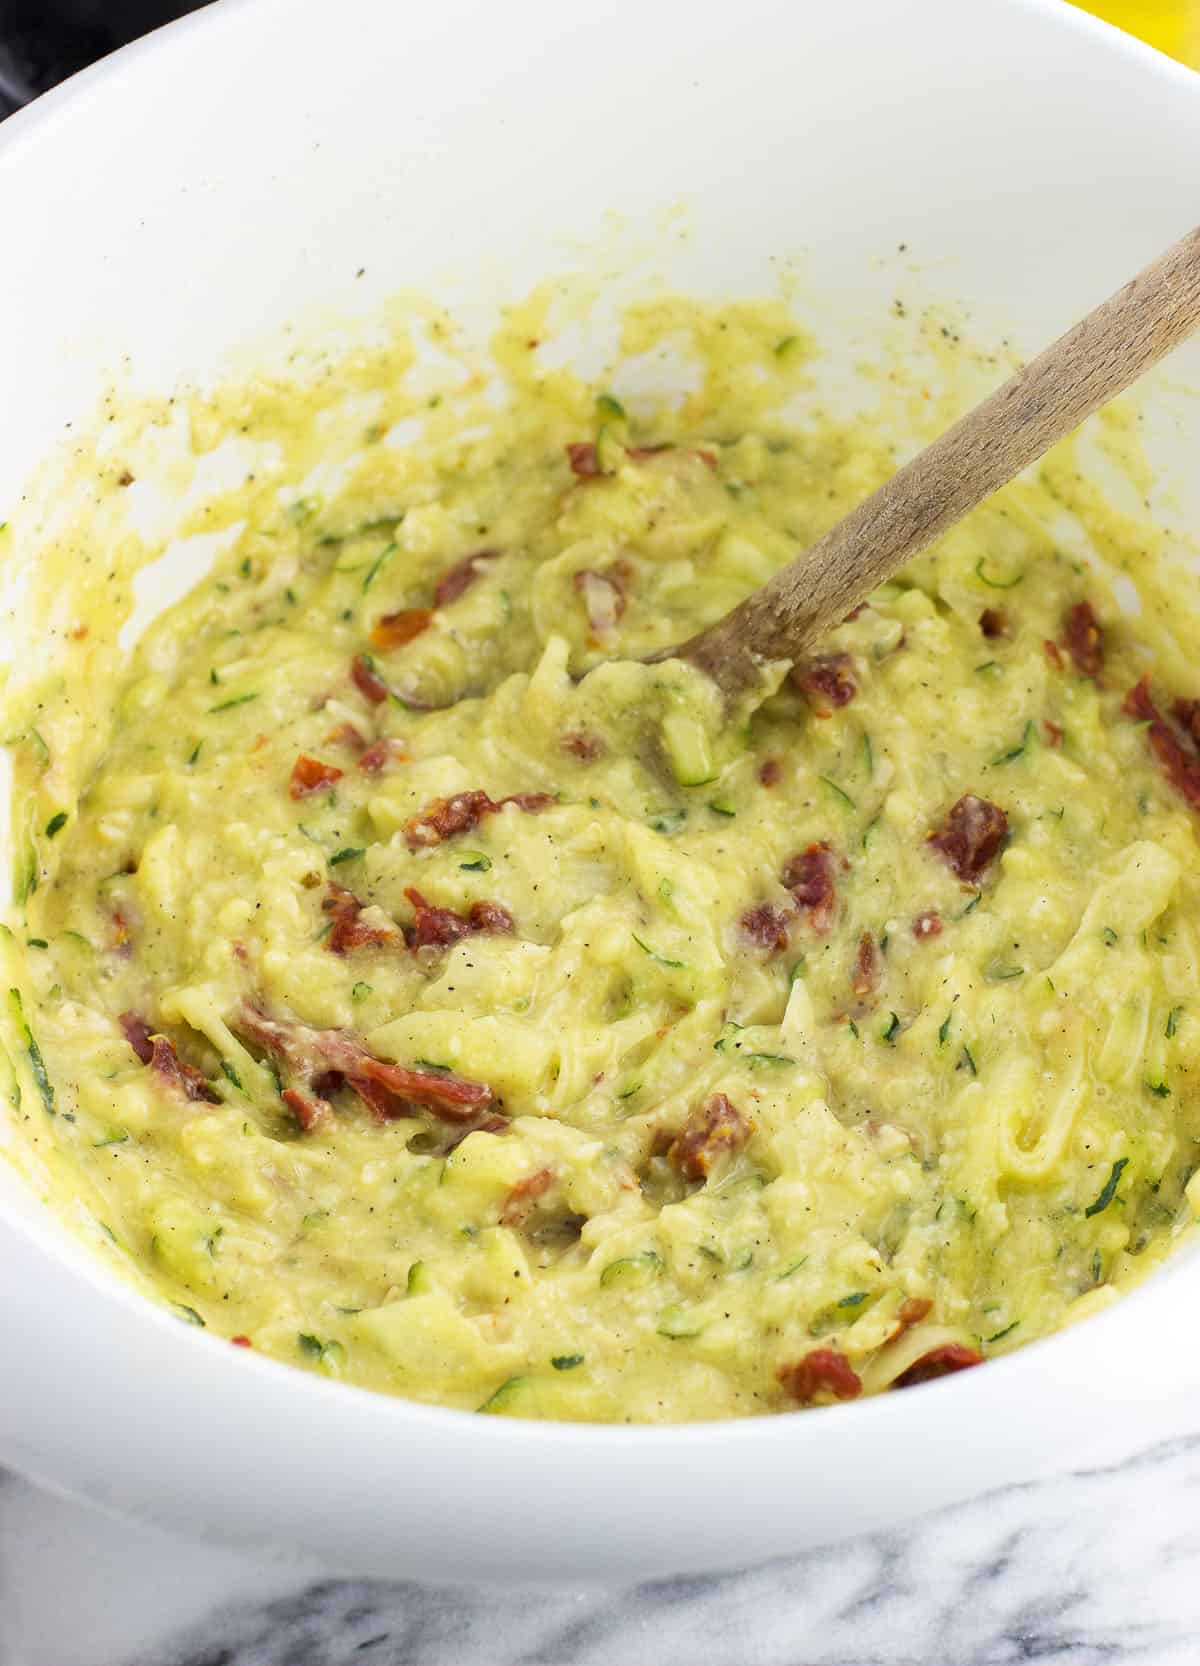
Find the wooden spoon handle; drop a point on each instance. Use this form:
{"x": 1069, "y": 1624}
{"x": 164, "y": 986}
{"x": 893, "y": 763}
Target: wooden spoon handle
{"x": 1012, "y": 428}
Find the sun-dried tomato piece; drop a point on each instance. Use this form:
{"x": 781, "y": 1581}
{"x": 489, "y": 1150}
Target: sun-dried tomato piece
{"x": 491, "y": 917}
{"x": 459, "y": 578}
{"x": 518, "y": 1205}
{"x": 1187, "y": 714}
{"x": 159, "y": 1053}
{"x": 137, "y": 1034}
{"x": 317, "y": 1062}
{"x": 926, "y": 925}
{"x": 810, "y": 877}
{"x": 440, "y": 1091}
{"x": 380, "y": 1101}
{"x": 350, "y": 930}
{"x": 993, "y": 623}
{"x": 1139, "y": 703}
{"x": 868, "y": 966}
{"x": 241, "y": 1342}
{"x": 971, "y": 837}
{"x": 309, "y": 1111}
{"x": 604, "y": 597}
{"x": 1053, "y": 654}
{"x": 938, "y": 1362}
{"x": 311, "y": 775}
{"x": 435, "y": 927}
{"x": 348, "y": 736}
{"x": 1085, "y": 639}
{"x": 770, "y": 772}
{"x": 581, "y": 455}
{"x": 715, "y": 1129}
{"x": 393, "y": 630}
{"x": 191, "y": 1082}
{"x": 766, "y": 926}
{"x": 444, "y": 818}
{"x": 381, "y": 753}
{"x": 1180, "y": 767}
{"x": 913, "y": 1309}
{"x": 828, "y": 677}
{"x": 823, "y": 1374}
{"x": 367, "y": 680}
{"x": 531, "y": 803}
{"x": 1053, "y": 732}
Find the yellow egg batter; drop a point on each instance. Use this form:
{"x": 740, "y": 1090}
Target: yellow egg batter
{"x": 424, "y": 992}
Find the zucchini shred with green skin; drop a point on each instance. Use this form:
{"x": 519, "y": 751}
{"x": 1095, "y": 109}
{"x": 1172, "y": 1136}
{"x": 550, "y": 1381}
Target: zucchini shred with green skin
{"x": 429, "y": 992}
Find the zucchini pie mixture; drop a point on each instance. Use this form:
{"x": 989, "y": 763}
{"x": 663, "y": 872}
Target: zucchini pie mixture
{"x": 424, "y": 991}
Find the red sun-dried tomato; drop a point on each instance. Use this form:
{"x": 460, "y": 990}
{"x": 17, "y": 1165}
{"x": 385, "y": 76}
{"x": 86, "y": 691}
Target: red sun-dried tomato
{"x": 520, "y": 1201}
{"x": 822, "y": 1373}
{"x": 309, "y": 1111}
{"x": 393, "y": 630}
{"x": 913, "y": 1309}
{"x": 311, "y": 775}
{"x": 716, "y": 1129}
{"x": 490, "y": 917}
{"x": 444, "y": 818}
{"x": 350, "y": 930}
{"x": 137, "y": 1034}
{"x": 1187, "y": 714}
{"x": 461, "y": 576}
{"x": 938, "y": 1362}
{"x": 766, "y": 926}
{"x": 381, "y": 753}
{"x": 159, "y": 1053}
{"x": 348, "y": 736}
{"x": 828, "y": 677}
{"x": 317, "y": 1062}
{"x": 434, "y": 927}
{"x": 367, "y": 680}
{"x": 971, "y": 837}
{"x": 1181, "y": 768}
{"x": 1085, "y": 639}
{"x": 581, "y": 455}
{"x": 810, "y": 877}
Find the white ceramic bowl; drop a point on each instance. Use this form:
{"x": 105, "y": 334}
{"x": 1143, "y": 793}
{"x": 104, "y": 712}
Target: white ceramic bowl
{"x": 237, "y": 170}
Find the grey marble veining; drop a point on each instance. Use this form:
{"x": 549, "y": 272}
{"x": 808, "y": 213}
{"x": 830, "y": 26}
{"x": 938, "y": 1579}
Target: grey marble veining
{"x": 1098, "y": 1568}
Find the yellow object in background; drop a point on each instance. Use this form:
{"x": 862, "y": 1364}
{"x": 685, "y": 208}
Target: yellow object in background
{"x": 1171, "y": 25}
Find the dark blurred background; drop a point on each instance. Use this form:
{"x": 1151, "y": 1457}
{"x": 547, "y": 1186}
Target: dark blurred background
{"x": 43, "y": 41}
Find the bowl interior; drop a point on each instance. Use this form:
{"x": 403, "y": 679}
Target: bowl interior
{"x": 251, "y": 179}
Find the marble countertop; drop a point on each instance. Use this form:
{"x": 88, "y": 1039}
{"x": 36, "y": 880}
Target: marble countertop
{"x": 1099, "y": 1567}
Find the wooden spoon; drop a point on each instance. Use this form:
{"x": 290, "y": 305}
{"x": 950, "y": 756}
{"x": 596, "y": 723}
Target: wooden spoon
{"x": 1012, "y": 428}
